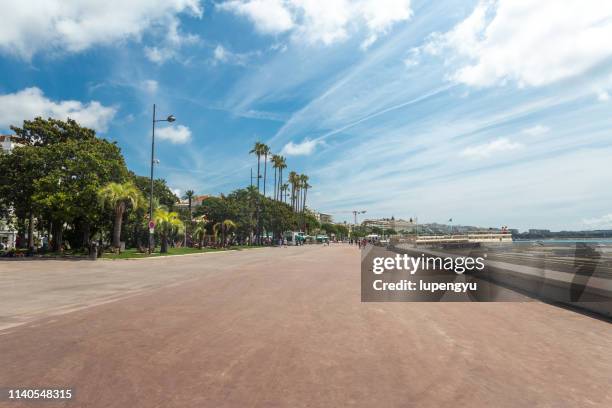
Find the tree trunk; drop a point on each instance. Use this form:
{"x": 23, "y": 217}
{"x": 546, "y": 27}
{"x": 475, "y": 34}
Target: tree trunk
{"x": 265, "y": 171}
{"x": 275, "y": 189}
{"x": 258, "y": 171}
{"x": 85, "y": 237}
{"x": 304, "y": 207}
{"x": 31, "y": 230}
{"x": 58, "y": 232}
{"x": 117, "y": 226}
{"x": 164, "y": 244}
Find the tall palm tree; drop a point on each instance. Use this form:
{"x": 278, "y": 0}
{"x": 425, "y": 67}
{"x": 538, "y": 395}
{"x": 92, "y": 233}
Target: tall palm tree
{"x": 303, "y": 182}
{"x": 293, "y": 180}
{"x": 167, "y": 223}
{"x": 282, "y": 164}
{"x": 265, "y": 151}
{"x": 118, "y": 195}
{"x": 189, "y": 194}
{"x": 257, "y": 151}
{"x": 284, "y": 189}
{"x": 305, "y": 186}
{"x": 276, "y": 164}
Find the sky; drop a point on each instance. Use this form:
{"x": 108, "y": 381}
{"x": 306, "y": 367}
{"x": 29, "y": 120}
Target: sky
{"x": 492, "y": 113}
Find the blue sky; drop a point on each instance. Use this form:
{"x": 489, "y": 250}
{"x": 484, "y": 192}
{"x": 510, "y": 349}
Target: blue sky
{"x": 490, "y": 112}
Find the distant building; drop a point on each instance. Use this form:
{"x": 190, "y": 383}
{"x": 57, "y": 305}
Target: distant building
{"x": 195, "y": 201}
{"x": 539, "y": 231}
{"x": 390, "y": 223}
{"x": 324, "y": 218}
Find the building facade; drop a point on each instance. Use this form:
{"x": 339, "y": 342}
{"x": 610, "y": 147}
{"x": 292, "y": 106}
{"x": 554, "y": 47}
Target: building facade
{"x": 324, "y": 218}
{"x": 399, "y": 225}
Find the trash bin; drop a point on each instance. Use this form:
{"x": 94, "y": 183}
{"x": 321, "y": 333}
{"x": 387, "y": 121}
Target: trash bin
{"x": 93, "y": 251}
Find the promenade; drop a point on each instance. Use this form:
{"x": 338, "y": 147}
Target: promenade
{"x": 282, "y": 327}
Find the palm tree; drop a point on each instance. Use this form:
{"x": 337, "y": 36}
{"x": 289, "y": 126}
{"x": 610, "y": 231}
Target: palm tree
{"x": 284, "y": 188}
{"x": 225, "y": 226}
{"x": 118, "y": 195}
{"x": 189, "y": 194}
{"x": 265, "y": 150}
{"x": 278, "y": 162}
{"x": 305, "y": 187}
{"x": 167, "y": 223}
{"x": 282, "y": 164}
{"x": 293, "y": 179}
{"x": 258, "y": 150}
{"x": 199, "y": 231}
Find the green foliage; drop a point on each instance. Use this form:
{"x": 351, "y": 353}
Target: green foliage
{"x": 168, "y": 224}
{"x": 118, "y": 196}
{"x": 44, "y": 132}
{"x": 161, "y": 191}
{"x": 342, "y": 231}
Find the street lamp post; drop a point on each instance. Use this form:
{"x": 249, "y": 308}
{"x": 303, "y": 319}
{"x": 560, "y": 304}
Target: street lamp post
{"x": 169, "y": 119}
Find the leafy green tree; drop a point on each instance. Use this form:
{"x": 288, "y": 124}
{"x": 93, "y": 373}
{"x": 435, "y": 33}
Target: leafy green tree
{"x": 161, "y": 191}
{"x": 342, "y": 230}
{"x": 118, "y": 196}
{"x": 168, "y": 224}
{"x": 329, "y": 228}
{"x": 63, "y": 165}
{"x": 377, "y": 230}
{"x": 73, "y": 172}
{"x": 44, "y": 132}
{"x": 18, "y": 172}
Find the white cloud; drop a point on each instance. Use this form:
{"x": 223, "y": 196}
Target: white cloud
{"x": 603, "y": 96}
{"x": 29, "y": 27}
{"x": 305, "y": 148}
{"x": 177, "y": 134}
{"x": 604, "y": 221}
{"x": 487, "y": 150}
{"x": 322, "y": 21}
{"x": 526, "y": 42}
{"x": 31, "y": 102}
{"x": 537, "y": 130}
{"x": 268, "y": 16}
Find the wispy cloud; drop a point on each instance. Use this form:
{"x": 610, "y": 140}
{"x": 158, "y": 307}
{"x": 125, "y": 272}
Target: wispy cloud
{"x": 222, "y": 55}
{"x": 537, "y": 130}
{"x": 484, "y": 151}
